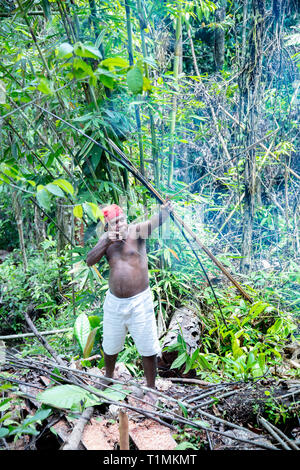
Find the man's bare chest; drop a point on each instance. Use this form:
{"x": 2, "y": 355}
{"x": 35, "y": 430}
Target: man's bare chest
{"x": 126, "y": 249}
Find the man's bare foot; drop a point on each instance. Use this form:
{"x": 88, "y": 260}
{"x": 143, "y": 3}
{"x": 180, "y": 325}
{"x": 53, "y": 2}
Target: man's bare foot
{"x": 150, "y": 398}
{"x": 103, "y": 383}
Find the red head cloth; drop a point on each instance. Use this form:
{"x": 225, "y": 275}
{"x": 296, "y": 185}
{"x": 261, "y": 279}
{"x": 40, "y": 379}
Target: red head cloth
{"x": 112, "y": 211}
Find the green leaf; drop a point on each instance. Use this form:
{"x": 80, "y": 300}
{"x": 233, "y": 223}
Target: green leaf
{"x": 45, "y": 87}
{"x": 135, "y": 80}
{"x": 78, "y": 211}
{"x": 115, "y": 392}
{"x": 90, "y": 343}
{"x": 236, "y": 350}
{"x": 47, "y": 9}
{"x": 113, "y": 62}
{"x": 251, "y": 360}
{"x": 64, "y": 51}
{"x": 65, "y": 185}
{"x": 38, "y": 416}
{"x": 65, "y": 396}
{"x": 184, "y": 410}
{"x": 86, "y": 50}
{"x": 82, "y": 330}
{"x": 203, "y": 361}
{"x": 179, "y": 361}
{"x": 146, "y": 84}
{"x": 185, "y": 445}
{"x": 107, "y": 81}
{"x": 93, "y": 211}
{"x": 54, "y": 189}
{"x": 94, "y": 321}
{"x": 3, "y": 432}
{"x": 43, "y": 198}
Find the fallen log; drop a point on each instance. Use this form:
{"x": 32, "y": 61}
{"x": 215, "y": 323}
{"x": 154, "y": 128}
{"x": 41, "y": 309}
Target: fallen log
{"x": 186, "y": 323}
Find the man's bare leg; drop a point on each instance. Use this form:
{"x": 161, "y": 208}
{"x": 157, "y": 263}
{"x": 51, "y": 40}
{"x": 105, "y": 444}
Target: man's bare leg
{"x": 110, "y": 362}
{"x": 150, "y": 367}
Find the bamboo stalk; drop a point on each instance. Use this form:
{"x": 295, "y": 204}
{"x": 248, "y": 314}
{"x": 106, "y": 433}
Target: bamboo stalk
{"x": 136, "y": 107}
{"x": 19, "y": 221}
{"x": 154, "y": 149}
{"x": 178, "y": 35}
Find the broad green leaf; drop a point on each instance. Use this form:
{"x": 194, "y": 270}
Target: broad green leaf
{"x": 3, "y": 432}
{"x": 135, "y": 80}
{"x": 262, "y": 360}
{"x": 203, "y": 361}
{"x": 65, "y": 185}
{"x": 184, "y": 410}
{"x": 45, "y": 86}
{"x": 250, "y": 360}
{"x": 38, "y": 416}
{"x": 94, "y": 321}
{"x": 86, "y": 50}
{"x": 54, "y": 189}
{"x": 236, "y": 350}
{"x": 185, "y": 445}
{"x": 146, "y": 84}
{"x": 93, "y": 211}
{"x": 179, "y": 361}
{"x": 86, "y": 68}
{"x": 64, "y": 51}
{"x": 188, "y": 365}
{"x": 90, "y": 343}
{"x": 78, "y": 211}
{"x": 115, "y": 392}
{"x": 113, "y": 62}
{"x": 65, "y": 396}
{"x": 107, "y": 81}
{"x": 43, "y": 198}
{"x": 82, "y": 330}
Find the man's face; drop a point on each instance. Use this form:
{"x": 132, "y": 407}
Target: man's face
{"x": 118, "y": 224}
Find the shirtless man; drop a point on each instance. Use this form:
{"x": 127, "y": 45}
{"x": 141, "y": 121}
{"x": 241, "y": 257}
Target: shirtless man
{"x": 128, "y": 303}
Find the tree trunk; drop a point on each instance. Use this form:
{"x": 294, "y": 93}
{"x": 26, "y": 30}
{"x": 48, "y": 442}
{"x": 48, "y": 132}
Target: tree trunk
{"x": 251, "y": 93}
{"x": 19, "y": 220}
{"x": 39, "y": 227}
{"x": 219, "y": 39}
{"x": 64, "y": 221}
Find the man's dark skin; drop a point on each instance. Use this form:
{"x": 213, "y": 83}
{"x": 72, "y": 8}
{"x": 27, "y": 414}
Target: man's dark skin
{"x": 125, "y": 249}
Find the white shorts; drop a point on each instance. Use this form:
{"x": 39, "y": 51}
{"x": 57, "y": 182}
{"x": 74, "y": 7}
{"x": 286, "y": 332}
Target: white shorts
{"x": 134, "y": 314}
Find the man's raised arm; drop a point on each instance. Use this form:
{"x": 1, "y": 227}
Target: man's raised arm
{"x": 144, "y": 229}
{"x": 99, "y": 250}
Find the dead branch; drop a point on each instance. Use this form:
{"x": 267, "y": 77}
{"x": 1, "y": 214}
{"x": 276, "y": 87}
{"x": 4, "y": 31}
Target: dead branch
{"x": 42, "y": 340}
{"x": 273, "y": 433}
{"x": 75, "y": 436}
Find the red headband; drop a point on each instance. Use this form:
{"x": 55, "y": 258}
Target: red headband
{"x": 112, "y": 211}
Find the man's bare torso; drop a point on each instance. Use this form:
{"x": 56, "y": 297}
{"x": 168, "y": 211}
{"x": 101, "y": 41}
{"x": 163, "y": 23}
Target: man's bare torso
{"x": 128, "y": 263}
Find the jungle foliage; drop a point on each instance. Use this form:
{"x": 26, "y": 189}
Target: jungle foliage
{"x": 202, "y": 97}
